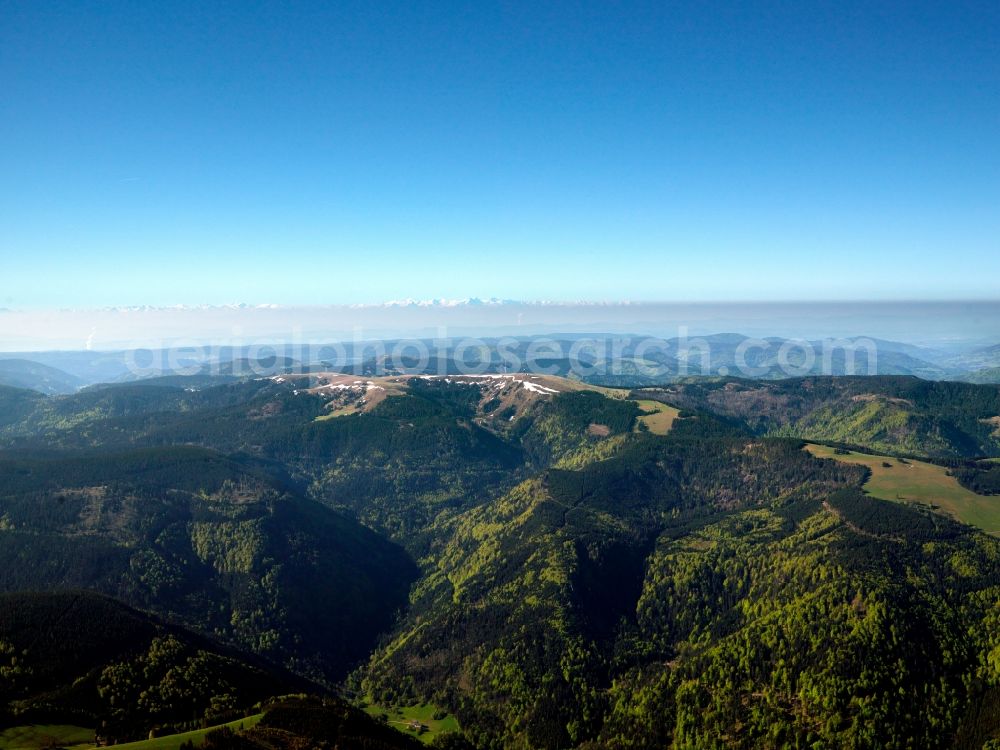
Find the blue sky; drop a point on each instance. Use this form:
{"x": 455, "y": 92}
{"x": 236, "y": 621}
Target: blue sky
{"x": 318, "y": 153}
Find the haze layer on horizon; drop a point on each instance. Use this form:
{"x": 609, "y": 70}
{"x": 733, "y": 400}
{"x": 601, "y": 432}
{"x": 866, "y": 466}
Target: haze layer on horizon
{"x": 931, "y": 323}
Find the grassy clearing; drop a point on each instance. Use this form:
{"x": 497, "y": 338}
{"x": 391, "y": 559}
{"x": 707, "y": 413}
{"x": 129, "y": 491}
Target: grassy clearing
{"x": 616, "y": 393}
{"x": 46, "y": 735}
{"x": 343, "y": 411}
{"x": 197, "y": 736}
{"x": 402, "y": 717}
{"x": 657, "y": 416}
{"x": 924, "y": 483}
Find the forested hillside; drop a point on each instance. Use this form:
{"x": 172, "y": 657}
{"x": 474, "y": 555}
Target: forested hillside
{"x": 528, "y": 558}
{"x": 723, "y": 591}
{"x": 23, "y": 373}
{"x": 79, "y": 658}
{"x": 208, "y": 541}
{"x": 886, "y": 414}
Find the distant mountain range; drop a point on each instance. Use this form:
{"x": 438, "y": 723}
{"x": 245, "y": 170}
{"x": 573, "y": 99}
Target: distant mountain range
{"x": 625, "y": 361}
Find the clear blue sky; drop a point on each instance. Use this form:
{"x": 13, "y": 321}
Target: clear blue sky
{"x": 199, "y": 152}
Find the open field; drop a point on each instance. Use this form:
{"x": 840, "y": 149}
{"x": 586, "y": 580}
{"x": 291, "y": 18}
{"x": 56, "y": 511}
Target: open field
{"x": 402, "y": 717}
{"x": 343, "y": 411}
{"x": 197, "y": 736}
{"x": 657, "y": 416}
{"x": 924, "y": 483}
{"x": 46, "y": 735}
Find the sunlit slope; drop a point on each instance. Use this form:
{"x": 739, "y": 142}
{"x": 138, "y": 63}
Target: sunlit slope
{"x": 885, "y": 414}
{"x": 920, "y": 482}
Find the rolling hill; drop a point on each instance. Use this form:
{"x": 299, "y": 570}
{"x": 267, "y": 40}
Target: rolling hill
{"x": 78, "y": 658}
{"x": 210, "y": 542}
{"x": 86, "y": 668}
{"x": 887, "y": 414}
{"x": 23, "y": 373}
{"x": 700, "y": 585}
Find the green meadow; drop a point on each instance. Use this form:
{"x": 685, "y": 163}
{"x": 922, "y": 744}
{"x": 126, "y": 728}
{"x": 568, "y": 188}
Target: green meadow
{"x": 657, "y": 416}
{"x": 404, "y": 718}
{"x": 46, "y": 735}
{"x": 196, "y": 737}
{"x": 920, "y": 482}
